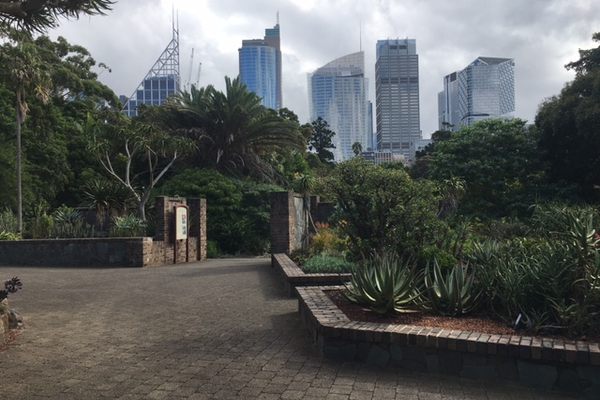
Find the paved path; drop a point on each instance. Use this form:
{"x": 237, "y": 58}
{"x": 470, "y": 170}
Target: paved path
{"x": 217, "y": 330}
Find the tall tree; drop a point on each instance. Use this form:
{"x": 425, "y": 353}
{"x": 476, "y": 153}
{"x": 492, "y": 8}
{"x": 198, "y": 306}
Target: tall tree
{"x": 498, "y": 162}
{"x": 39, "y": 15}
{"x": 568, "y": 124}
{"x": 24, "y": 73}
{"x": 135, "y": 153}
{"x": 321, "y": 140}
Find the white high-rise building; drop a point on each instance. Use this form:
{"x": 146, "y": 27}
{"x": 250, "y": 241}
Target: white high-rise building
{"x": 484, "y": 89}
{"x": 338, "y": 93}
{"x": 397, "y": 96}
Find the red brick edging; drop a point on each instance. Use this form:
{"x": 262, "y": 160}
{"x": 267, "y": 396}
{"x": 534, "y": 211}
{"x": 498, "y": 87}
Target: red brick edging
{"x": 553, "y": 363}
{"x": 294, "y": 277}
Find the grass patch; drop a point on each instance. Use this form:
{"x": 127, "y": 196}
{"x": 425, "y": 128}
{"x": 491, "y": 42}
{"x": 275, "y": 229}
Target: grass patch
{"x": 325, "y": 263}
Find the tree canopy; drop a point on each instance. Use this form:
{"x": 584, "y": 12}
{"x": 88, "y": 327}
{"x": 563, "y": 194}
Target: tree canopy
{"x": 39, "y": 15}
{"x": 568, "y": 124}
{"x": 321, "y": 140}
{"x": 498, "y": 162}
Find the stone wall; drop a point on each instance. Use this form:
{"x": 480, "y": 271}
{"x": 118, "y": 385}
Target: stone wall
{"x": 119, "y": 252}
{"x": 91, "y": 252}
{"x": 292, "y": 218}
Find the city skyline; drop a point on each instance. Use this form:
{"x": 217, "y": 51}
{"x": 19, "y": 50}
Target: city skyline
{"x": 313, "y": 34}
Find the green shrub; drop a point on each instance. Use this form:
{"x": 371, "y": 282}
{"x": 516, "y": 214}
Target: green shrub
{"x": 383, "y": 209}
{"x": 327, "y": 240}
{"x": 8, "y": 221}
{"x": 68, "y": 223}
{"x": 7, "y": 236}
{"x": 552, "y": 280}
{"x": 326, "y": 263}
{"x": 128, "y": 226}
{"x": 212, "y": 249}
{"x": 386, "y": 284}
{"x": 238, "y": 211}
{"x": 40, "y": 223}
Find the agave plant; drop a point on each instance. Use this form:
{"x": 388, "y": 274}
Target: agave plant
{"x": 451, "y": 292}
{"x": 385, "y": 284}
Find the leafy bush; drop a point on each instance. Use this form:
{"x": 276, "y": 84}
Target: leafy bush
{"x": 451, "y": 291}
{"x": 68, "y": 223}
{"x": 550, "y": 281}
{"x": 499, "y": 162}
{"x": 383, "y": 209}
{"x": 128, "y": 226}
{"x": 8, "y": 221}
{"x": 385, "y": 283}
{"x": 326, "y": 240}
{"x": 212, "y": 249}
{"x": 40, "y": 223}
{"x": 238, "y": 212}
{"x": 7, "y": 236}
{"x": 326, "y": 263}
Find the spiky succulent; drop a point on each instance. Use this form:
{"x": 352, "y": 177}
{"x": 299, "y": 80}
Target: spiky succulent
{"x": 385, "y": 284}
{"x": 451, "y": 292}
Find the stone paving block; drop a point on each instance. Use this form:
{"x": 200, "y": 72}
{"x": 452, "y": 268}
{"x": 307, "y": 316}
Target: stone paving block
{"x": 218, "y": 329}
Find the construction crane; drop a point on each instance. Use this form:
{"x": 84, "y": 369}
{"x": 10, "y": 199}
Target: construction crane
{"x": 197, "y": 83}
{"x": 189, "y": 81}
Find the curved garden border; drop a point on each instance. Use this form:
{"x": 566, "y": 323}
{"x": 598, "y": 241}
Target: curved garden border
{"x": 536, "y": 361}
{"x": 294, "y": 277}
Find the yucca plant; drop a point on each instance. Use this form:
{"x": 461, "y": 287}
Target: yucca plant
{"x": 451, "y": 292}
{"x": 386, "y": 284}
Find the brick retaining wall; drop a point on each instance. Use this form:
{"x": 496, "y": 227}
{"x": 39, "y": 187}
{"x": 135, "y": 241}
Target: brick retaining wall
{"x": 536, "y": 361}
{"x": 293, "y": 276}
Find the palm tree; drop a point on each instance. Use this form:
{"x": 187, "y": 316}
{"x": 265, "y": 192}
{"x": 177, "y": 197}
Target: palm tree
{"x": 234, "y": 131}
{"x": 25, "y": 73}
{"x": 357, "y": 148}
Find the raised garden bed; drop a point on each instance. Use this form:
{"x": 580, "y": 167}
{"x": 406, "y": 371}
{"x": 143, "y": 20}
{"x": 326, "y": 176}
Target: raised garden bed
{"x": 293, "y": 276}
{"x": 549, "y": 363}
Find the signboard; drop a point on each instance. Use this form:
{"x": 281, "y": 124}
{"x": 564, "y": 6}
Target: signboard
{"x": 181, "y": 223}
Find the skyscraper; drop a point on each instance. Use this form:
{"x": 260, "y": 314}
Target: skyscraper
{"x": 484, "y": 89}
{"x": 338, "y": 93}
{"x": 162, "y": 81}
{"x": 260, "y": 67}
{"x": 397, "y": 96}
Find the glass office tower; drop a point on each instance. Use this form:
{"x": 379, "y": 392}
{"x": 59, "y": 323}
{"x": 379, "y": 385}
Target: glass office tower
{"x": 338, "y": 93}
{"x": 260, "y": 67}
{"x": 484, "y": 89}
{"x": 397, "y": 96}
{"x": 161, "y": 82}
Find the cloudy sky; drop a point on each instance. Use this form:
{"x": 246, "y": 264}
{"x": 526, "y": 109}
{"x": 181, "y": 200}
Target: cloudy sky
{"x": 541, "y": 35}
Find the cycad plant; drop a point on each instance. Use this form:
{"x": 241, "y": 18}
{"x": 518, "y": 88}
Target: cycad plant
{"x": 451, "y": 292}
{"x": 233, "y": 131}
{"x": 386, "y": 284}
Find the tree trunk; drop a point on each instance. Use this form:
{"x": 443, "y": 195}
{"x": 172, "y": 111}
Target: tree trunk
{"x": 18, "y": 166}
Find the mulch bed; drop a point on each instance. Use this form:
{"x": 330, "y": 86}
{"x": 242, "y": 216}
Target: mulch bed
{"x": 474, "y": 323}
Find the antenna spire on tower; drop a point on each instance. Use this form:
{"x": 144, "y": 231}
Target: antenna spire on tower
{"x": 277, "y": 17}
{"x": 360, "y": 35}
